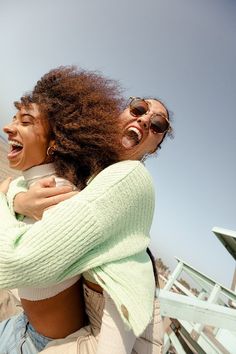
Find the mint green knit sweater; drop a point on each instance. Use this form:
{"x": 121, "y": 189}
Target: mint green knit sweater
{"x": 104, "y": 229}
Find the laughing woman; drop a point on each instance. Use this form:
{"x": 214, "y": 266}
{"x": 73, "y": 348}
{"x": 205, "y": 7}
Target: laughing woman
{"x": 71, "y": 119}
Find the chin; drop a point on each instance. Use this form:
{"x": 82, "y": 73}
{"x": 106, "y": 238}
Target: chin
{"x": 15, "y": 167}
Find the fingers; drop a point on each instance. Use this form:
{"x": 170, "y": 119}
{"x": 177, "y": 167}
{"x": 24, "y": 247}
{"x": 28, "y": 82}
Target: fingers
{"x": 54, "y": 191}
{"x": 55, "y": 199}
{"x": 46, "y": 188}
{"x": 4, "y": 185}
{"x": 7, "y": 180}
{"x": 46, "y": 182}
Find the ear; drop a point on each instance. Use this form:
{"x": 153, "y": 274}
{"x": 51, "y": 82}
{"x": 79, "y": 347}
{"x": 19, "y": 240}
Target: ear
{"x": 52, "y": 143}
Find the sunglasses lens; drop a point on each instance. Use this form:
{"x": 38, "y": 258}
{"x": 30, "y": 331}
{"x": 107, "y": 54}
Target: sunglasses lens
{"x": 159, "y": 124}
{"x": 138, "y": 107}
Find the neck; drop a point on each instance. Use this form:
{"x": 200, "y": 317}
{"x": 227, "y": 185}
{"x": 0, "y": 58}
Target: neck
{"x": 35, "y": 173}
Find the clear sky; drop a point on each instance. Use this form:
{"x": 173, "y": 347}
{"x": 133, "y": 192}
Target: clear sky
{"x": 183, "y": 52}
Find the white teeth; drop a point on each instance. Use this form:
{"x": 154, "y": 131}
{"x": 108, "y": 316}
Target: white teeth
{"x": 15, "y": 143}
{"x": 136, "y": 131}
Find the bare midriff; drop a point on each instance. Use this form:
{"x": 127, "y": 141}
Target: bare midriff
{"x": 60, "y": 315}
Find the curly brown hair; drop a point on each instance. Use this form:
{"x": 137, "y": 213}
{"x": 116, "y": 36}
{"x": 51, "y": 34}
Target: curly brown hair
{"x": 82, "y": 108}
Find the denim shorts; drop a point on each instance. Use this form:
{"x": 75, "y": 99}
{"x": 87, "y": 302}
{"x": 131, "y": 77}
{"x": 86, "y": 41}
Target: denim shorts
{"x": 17, "y": 336}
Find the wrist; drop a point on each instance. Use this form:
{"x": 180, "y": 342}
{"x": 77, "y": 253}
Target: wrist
{"x": 18, "y": 203}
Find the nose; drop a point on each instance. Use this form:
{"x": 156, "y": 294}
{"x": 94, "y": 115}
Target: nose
{"x": 9, "y": 129}
{"x": 144, "y": 121}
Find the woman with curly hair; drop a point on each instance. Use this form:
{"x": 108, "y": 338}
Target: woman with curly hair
{"x": 71, "y": 119}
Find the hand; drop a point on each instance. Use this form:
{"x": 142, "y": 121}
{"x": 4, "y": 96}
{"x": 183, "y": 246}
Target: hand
{"x": 4, "y": 185}
{"x": 41, "y": 196}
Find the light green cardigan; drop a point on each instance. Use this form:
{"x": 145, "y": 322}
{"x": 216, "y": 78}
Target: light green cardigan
{"x": 104, "y": 229}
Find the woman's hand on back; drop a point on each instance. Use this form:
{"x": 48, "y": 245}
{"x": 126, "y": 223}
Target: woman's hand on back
{"x": 41, "y": 196}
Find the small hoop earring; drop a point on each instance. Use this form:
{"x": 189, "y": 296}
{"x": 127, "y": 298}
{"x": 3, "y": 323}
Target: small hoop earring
{"x": 50, "y": 151}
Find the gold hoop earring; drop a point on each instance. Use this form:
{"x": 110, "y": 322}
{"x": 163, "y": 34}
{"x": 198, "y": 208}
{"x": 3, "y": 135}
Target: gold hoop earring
{"x": 50, "y": 151}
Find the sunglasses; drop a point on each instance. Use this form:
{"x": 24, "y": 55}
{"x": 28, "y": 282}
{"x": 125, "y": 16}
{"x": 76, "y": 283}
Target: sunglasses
{"x": 159, "y": 124}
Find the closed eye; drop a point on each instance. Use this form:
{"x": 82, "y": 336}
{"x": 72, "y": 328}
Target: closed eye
{"x": 25, "y": 122}
{"x": 26, "y": 119}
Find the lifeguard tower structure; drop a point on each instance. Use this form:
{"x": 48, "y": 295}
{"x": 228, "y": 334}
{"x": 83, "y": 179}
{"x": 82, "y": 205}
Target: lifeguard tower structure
{"x": 204, "y": 322}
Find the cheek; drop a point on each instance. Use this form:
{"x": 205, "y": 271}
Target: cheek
{"x": 124, "y": 117}
{"x": 42, "y": 133}
{"x": 152, "y": 143}
{"x": 42, "y": 142}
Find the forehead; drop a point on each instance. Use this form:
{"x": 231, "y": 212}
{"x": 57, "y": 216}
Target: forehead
{"x": 32, "y": 109}
{"x": 157, "y": 107}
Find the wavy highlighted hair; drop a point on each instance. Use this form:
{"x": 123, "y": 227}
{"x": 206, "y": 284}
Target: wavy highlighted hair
{"x": 82, "y": 108}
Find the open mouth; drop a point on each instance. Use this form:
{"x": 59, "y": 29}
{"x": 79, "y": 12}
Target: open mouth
{"x": 15, "y": 148}
{"x": 131, "y": 138}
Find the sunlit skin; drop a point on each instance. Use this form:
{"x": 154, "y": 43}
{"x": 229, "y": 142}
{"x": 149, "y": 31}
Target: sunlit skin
{"x": 28, "y": 136}
{"x": 150, "y": 141}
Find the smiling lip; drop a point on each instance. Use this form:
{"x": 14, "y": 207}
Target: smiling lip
{"x": 16, "y": 149}
{"x": 136, "y": 131}
{"x": 132, "y": 137}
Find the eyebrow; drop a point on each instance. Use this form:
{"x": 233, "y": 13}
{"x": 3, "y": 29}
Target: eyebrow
{"x": 27, "y": 114}
{"x": 163, "y": 115}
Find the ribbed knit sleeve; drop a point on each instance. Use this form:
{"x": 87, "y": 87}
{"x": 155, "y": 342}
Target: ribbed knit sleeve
{"x": 18, "y": 185}
{"x": 6, "y": 217}
{"x": 109, "y": 221}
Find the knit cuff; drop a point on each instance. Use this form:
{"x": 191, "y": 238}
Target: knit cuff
{"x": 17, "y": 186}
{"x": 6, "y": 216}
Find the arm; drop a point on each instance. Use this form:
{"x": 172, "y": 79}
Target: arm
{"x": 80, "y": 233}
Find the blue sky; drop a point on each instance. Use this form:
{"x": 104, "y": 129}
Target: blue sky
{"x": 181, "y": 51}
